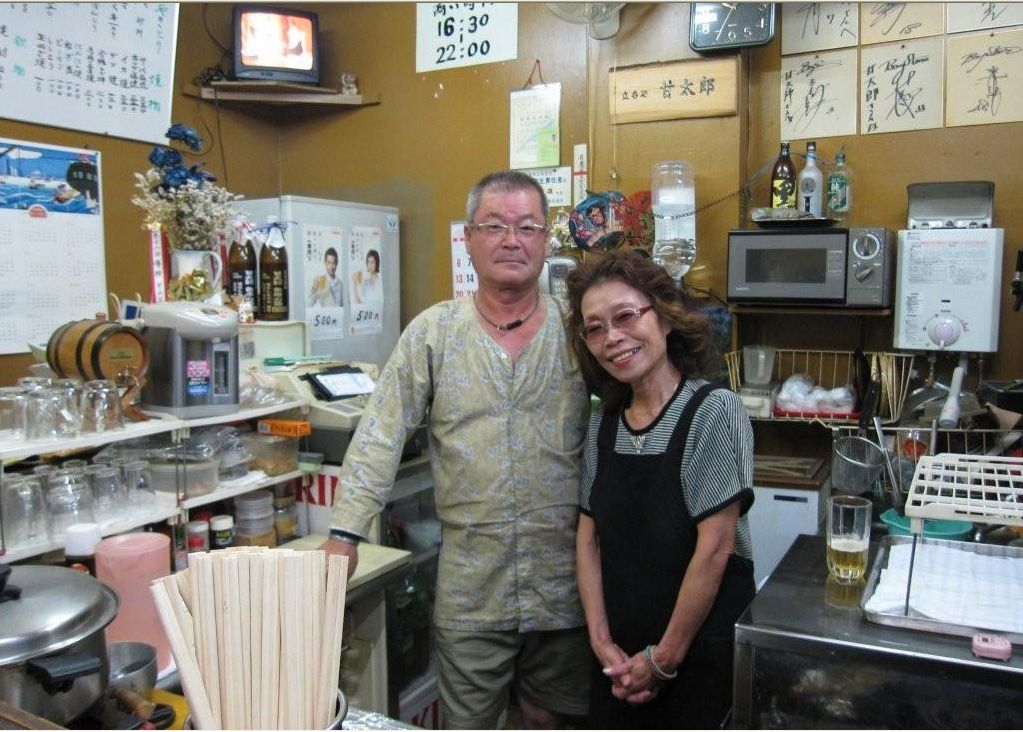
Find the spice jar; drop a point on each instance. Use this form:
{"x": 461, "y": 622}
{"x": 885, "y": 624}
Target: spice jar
{"x": 197, "y": 536}
{"x": 221, "y": 531}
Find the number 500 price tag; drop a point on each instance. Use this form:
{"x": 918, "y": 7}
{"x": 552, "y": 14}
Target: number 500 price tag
{"x": 450, "y": 35}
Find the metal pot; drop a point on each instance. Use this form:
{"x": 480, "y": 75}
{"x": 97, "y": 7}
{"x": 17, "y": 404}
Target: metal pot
{"x": 53, "y": 651}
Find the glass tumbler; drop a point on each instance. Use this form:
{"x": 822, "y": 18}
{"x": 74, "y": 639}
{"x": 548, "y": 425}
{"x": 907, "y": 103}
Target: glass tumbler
{"x": 69, "y": 500}
{"x": 25, "y": 516}
{"x": 42, "y": 414}
{"x": 31, "y": 383}
{"x": 848, "y": 537}
{"x": 70, "y": 417}
{"x": 107, "y": 491}
{"x": 138, "y": 486}
{"x": 101, "y": 406}
{"x": 12, "y": 413}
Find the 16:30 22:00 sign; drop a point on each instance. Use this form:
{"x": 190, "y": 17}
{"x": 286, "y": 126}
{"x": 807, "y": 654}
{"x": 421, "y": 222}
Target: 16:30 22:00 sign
{"x": 450, "y": 35}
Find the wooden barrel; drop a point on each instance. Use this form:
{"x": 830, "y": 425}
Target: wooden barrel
{"x": 96, "y": 349}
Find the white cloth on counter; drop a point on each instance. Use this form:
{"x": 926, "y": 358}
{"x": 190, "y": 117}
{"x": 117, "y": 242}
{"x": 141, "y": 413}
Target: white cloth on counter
{"x": 953, "y": 585}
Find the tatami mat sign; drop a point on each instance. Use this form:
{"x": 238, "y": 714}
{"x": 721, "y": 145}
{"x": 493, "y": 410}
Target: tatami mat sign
{"x": 694, "y": 88}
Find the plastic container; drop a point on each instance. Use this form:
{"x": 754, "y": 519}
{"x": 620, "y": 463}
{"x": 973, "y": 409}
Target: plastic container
{"x": 673, "y": 200}
{"x": 197, "y": 535}
{"x": 757, "y": 364}
{"x": 267, "y": 539}
{"x": 310, "y": 462}
{"x": 272, "y": 454}
{"x": 898, "y": 525}
{"x": 128, "y": 564}
{"x": 285, "y": 518}
{"x": 221, "y": 531}
{"x": 198, "y": 477}
{"x": 254, "y": 504}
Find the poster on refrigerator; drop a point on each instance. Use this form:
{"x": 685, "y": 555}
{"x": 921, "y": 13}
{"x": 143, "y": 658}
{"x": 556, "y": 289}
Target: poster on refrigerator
{"x": 366, "y": 285}
{"x": 52, "y": 266}
{"x": 324, "y": 285}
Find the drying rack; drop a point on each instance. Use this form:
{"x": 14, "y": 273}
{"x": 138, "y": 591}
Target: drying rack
{"x": 982, "y": 488}
{"x": 979, "y": 488}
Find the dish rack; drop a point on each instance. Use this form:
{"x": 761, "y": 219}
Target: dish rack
{"x": 979, "y": 488}
{"x": 832, "y": 369}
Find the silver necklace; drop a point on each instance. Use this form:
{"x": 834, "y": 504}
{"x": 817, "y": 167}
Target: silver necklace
{"x": 503, "y": 328}
{"x": 639, "y": 440}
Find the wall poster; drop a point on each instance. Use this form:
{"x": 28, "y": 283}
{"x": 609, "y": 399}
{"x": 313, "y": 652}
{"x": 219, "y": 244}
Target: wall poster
{"x": 52, "y": 264}
{"x": 366, "y": 286}
{"x": 535, "y": 128}
{"x": 324, "y": 286}
{"x": 106, "y": 68}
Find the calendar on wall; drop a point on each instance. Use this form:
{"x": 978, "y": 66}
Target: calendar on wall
{"x": 52, "y": 266}
{"x": 106, "y": 68}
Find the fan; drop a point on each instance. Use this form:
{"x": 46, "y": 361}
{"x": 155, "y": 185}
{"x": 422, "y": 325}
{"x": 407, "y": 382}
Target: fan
{"x": 600, "y": 18}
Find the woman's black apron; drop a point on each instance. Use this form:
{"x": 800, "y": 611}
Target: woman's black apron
{"x": 647, "y": 540}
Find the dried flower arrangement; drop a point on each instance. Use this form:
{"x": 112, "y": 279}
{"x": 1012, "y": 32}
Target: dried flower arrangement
{"x": 185, "y": 202}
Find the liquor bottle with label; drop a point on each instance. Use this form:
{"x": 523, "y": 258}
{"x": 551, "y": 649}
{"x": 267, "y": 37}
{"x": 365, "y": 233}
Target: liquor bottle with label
{"x": 783, "y": 180}
{"x": 241, "y": 265}
{"x": 839, "y": 189}
{"x": 811, "y": 184}
{"x": 273, "y": 275}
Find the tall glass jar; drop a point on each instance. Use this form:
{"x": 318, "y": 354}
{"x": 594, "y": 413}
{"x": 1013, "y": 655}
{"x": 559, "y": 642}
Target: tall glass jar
{"x": 673, "y": 198}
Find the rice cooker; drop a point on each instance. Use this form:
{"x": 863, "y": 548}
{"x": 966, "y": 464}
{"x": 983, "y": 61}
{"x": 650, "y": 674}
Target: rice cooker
{"x": 53, "y": 648}
{"x": 193, "y": 359}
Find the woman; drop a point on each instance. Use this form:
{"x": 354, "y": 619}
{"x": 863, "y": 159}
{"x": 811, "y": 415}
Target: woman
{"x": 663, "y": 549}
{"x": 367, "y": 282}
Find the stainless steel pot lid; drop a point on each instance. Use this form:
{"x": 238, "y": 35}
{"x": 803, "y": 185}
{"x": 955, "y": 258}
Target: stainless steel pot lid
{"x": 58, "y": 607}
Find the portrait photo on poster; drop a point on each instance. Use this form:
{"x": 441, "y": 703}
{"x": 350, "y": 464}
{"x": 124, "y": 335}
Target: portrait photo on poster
{"x": 324, "y": 289}
{"x": 365, "y": 281}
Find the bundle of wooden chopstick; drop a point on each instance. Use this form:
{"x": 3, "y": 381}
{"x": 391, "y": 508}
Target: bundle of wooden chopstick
{"x": 256, "y": 635}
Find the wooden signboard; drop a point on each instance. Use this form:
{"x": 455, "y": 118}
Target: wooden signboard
{"x": 676, "y": 90}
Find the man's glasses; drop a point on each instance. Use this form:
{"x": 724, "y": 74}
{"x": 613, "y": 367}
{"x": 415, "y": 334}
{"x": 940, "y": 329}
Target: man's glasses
{"x": 622, "y": 320}
{"x": 523, "y": 232}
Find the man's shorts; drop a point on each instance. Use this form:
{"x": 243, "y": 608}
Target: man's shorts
{"x": 476, "y": 670}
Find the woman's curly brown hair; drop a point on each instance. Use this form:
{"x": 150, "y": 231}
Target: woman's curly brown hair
{"x": 690, "y": 343}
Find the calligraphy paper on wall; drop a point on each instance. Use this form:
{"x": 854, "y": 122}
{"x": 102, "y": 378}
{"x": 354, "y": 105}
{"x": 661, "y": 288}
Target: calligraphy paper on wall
{"x": 885, "y": 22}
{"x": 901, "y": 86}
{"x": 809, "y": 27}
{"x": 984, "y": 78}
{"x": 818, "y": 95}
{"x": 982, "y": 16}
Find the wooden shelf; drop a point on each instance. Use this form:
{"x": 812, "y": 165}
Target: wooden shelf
{"x": 807, "y": 310}
{"x": 275, "y": 93}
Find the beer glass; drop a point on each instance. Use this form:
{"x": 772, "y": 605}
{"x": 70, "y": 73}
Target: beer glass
{"x": 848, "y": 536}
{"x": 101, "y": 406}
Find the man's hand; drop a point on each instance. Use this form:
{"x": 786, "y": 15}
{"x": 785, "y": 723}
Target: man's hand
{"x": 344, "y": 549}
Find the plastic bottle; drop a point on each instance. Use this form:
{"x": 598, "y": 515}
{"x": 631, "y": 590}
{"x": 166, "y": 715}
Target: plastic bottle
{"x": 241, "y": 264}
{"x": 783, "y": 179}
{"x": 673, "y": 199}
{"x": 273, "y": 275}
{"x": 811, "y": 184}
{"x": 839, "y": 189}
{"x": 80, "y": 542}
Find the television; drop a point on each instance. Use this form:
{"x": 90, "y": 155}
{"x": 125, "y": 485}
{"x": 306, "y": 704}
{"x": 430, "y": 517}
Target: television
{"x": 276, "y": 44}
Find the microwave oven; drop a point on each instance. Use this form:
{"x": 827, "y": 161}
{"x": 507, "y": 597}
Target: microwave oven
{"x": 834, "y": 267}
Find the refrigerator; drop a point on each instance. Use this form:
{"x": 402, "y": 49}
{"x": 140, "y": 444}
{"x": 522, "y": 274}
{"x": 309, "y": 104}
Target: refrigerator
{"x": 343, "y": 272}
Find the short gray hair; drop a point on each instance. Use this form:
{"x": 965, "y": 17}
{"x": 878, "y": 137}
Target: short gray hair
{"x": 503, "y": 180}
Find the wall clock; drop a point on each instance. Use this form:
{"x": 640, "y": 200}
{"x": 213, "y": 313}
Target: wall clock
{"x": 715, "y": 26}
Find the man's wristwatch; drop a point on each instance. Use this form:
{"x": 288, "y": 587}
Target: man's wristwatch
{"x": 346, "y": 537}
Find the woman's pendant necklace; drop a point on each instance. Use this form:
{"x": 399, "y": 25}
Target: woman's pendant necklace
{"x": 637, "y": 441}
{"x": 503, "y": 328}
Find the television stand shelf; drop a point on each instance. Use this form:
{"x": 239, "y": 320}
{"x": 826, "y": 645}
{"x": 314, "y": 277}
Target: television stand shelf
{"x": 278, "y": 93}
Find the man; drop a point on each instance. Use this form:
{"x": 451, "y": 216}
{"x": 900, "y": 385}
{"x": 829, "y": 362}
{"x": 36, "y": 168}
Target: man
{"x": 326, "y": 290}
{"x": 507, "y": 408}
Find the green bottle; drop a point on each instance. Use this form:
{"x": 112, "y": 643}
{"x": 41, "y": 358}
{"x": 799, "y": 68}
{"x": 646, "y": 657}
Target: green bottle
{"x": 839, "y": 187}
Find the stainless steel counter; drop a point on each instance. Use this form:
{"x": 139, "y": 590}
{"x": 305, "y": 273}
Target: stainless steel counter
{"x": 805, "y": 657}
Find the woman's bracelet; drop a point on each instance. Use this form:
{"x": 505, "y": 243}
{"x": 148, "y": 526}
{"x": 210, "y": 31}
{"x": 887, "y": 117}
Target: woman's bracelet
{"x": 659, "y": 673}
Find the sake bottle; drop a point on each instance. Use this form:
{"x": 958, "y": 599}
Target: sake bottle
{"x": 783, "y": 180}
{"x": 273, "y": 275}
{"x": 811, "y": 184}
{"x": 241, "y": 265}
{"x": 839, "y": 189}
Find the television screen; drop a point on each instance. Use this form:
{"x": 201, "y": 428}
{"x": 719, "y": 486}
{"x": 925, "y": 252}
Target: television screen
{"x": 276, "y": 44}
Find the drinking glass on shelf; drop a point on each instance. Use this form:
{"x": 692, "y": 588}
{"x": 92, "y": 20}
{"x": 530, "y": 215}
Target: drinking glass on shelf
{"x": 848, "y": 537}
{"x": 69, "y": 500}
{"x": 25, "y": 516}
{"x": 43, "y": 471}
{"x": 139, "y": 487}
{"x": 31, "y": 383}
{"x": 12, "y": 413}
{"x": 70, "y": 417}
{"x": 42, "y": 414}
{"x": 107, "y": 491}
{"x": 101, "y": 406}
{"x": 75, "y": 463}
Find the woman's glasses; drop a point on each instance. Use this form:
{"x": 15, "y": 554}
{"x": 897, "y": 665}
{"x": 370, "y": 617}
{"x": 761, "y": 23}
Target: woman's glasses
{"x": 596, "y": 331}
